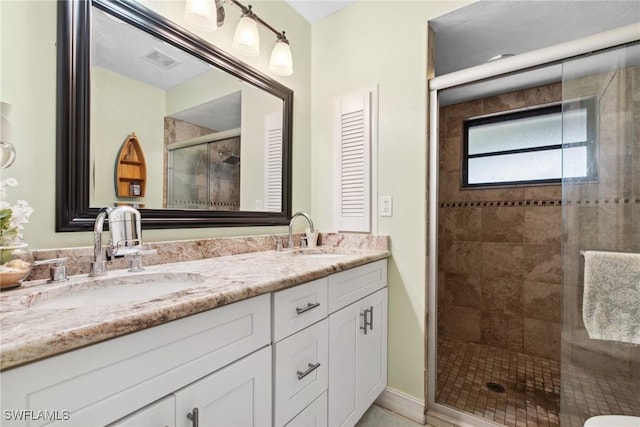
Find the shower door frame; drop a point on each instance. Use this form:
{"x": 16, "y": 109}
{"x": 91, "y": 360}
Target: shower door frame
{"x": 530, "y": 60}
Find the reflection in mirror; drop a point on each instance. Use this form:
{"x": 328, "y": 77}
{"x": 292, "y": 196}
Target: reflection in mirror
{"x": 207, "y": 136}
{"x": 215, "y": 133}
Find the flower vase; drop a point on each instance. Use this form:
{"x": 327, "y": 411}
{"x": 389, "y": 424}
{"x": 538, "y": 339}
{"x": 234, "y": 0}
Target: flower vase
{"x": 16, "y": 262}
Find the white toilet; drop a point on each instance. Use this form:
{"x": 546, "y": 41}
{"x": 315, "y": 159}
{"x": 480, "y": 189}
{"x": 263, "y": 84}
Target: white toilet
{"x": 613, "y": 421}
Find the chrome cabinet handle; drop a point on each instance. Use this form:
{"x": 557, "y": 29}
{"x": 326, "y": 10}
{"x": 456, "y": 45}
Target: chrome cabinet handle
{"x": 312, "y": 367}
{"x": 369, "y": 322}
{"x": 193, "y": 416}
{"x": 310, "y": 306}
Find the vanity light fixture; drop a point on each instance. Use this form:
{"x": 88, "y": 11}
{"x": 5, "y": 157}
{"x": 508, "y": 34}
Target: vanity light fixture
{"x": 246, "y": 40}
{"x": 203, "y": 15}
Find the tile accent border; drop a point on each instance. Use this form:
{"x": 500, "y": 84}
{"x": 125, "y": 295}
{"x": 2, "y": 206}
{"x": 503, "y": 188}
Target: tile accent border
{"x": 553, "y": 202}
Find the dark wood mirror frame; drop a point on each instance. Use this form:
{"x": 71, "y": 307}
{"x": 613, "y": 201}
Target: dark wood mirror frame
{"x": 73, "y": 211}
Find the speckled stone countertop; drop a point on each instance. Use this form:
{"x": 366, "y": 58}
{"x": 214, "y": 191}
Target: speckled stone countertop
{"x": 29, "y": 330}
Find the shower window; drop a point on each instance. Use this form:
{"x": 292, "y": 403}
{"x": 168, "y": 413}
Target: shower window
{"x": 526, "y": 147}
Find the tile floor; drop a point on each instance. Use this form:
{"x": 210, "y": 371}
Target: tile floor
{"x": 588, "y": 393}
{"x": 532, "y": 384}
{"x": 377, "y": 416}
{"x": 532, "y": 395}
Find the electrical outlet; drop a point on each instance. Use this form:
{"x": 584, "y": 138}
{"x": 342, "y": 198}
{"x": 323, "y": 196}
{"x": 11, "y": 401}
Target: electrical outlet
{"x": 386, "y": 206}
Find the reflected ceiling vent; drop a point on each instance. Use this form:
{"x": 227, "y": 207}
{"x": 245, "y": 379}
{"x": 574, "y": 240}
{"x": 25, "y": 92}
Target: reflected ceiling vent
{"x": 161, "y": 59}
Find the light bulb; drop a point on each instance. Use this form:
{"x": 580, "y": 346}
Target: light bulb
{"x": 281, "y": 61}
{"x": 202, "y": 14}
{"x": 246, "y": 40}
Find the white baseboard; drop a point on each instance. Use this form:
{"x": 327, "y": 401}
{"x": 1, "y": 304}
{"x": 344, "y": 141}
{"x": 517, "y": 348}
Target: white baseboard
{"x": 403, "y": 404}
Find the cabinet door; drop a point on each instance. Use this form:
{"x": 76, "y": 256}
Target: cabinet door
{"x": 357, "y": 361}
{"x": 238, "y": 395}
{"x": 157, "y": 414}
{"x": 344, "y": 328}
{"x": 371, "y": 376}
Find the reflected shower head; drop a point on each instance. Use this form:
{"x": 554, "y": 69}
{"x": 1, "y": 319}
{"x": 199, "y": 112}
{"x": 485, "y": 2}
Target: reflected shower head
{"x": 229, "y": 158}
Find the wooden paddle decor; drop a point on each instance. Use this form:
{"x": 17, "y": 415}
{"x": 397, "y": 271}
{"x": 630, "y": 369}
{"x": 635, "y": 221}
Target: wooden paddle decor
{"x": 131, "y": 169}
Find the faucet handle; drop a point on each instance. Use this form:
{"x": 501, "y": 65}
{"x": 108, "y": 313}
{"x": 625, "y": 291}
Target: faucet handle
{"x": 135, "y": 259}
{"x": 58, "y": 270}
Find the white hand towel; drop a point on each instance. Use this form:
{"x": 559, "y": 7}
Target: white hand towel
{"x": 611, "y": 302}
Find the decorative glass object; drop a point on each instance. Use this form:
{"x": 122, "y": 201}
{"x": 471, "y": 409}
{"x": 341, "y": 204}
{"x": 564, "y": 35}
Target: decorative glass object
{"x": 16, "y": 262}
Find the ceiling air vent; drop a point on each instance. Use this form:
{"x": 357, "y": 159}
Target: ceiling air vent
{"x": 161, "y": 59}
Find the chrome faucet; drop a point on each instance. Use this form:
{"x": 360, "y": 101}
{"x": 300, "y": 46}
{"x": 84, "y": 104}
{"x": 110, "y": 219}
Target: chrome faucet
{"x": 295, "y": 215}
{"x": 99, "y": 265}
{"x": 126, "y": 239}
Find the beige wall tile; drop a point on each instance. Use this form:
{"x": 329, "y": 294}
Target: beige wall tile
{"x": 452, "y": 152}
{"x": 460, "y": 224}
{"x": 464, "y": 109}
{"x": 501, "y": 260}
{"x": 502, "y": 330}
{"x": 463, "y": 290}
{"x": 543, "y": 192}
{"x": 502, "y": 295}
{"x": 542, "y": 263}
{"x": 503, "y": 224}
{"x": 463, "y": 257}
{"x": 542, "y": 301}
{"x": 542, "y": 338}
{"x": 462, "y": 323}
{"x": 503, "y": 102}
{"x": 543, "y": 94}
{"x": 543, "y": 225}
{"x": 490, "y": 276}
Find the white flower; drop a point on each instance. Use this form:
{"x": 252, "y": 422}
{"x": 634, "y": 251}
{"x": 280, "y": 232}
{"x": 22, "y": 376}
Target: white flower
{"x": 12, "y": 218}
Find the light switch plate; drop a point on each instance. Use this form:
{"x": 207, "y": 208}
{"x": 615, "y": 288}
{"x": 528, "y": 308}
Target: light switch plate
{"x": 386, "y": 206}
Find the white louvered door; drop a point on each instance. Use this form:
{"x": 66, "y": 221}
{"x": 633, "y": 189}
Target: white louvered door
{"x": 273, "y": 161}
{"x": 352, "y": 148}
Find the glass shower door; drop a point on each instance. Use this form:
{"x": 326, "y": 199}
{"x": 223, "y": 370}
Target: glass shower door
{"x": 601, "y": 215}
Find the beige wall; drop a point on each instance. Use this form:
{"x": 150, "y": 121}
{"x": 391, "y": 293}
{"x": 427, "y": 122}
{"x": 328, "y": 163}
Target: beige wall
{"x": 201, "y": 89}
{"x": 499, "y": 248}
{"x": 384, "y": 44}
{"x": 28, "y": 82}
{"x": 120, "y": 106}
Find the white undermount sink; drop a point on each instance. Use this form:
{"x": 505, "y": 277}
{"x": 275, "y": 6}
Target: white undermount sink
{"x": 116, "y": 290}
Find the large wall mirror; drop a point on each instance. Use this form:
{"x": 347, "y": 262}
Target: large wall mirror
{"x": 212, "y": 135}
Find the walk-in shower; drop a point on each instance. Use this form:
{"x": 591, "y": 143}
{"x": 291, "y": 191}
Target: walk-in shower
{"x": 510, "y": 345}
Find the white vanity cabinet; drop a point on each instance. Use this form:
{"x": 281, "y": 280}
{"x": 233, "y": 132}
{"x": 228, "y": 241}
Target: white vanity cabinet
{"x": 310, "y": 355}
{"x": 357, "y": 343}
{"x": 104, "y": 382}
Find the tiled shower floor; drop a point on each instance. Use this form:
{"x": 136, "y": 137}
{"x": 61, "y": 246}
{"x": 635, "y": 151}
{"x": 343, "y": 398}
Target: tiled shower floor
{"x": 532, "y": 384}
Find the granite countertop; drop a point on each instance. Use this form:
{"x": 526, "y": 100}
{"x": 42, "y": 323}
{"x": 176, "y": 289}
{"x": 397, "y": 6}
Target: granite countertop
{"x": 29, "y": 330}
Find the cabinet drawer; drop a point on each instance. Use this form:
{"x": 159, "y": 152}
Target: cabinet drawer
{"x": 136, "y": 369}
{"x": 314, "y": 415}
{"x": 301, "y": 370}
{"x": 349, "y": 286}
{"x": 298, "y": 307}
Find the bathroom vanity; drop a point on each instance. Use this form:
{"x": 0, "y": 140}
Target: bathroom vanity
{"x": 265, "y": 339}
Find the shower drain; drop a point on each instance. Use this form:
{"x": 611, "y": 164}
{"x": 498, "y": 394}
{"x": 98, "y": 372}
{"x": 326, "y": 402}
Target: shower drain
{"x": 498, "y": 388}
